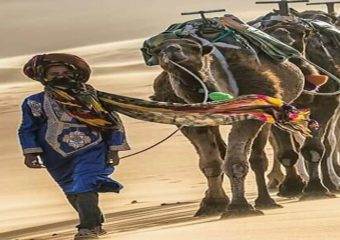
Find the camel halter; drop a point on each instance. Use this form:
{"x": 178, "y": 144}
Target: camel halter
{"x": 205, "y": 100}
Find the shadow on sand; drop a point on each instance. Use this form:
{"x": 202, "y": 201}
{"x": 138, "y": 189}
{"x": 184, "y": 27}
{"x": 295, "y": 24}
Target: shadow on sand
{"x": 165, "y": 216}
{"x": 117, "y": 222}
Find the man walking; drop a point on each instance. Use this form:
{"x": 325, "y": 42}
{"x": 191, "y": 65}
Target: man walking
{"x": 65, "y": 129}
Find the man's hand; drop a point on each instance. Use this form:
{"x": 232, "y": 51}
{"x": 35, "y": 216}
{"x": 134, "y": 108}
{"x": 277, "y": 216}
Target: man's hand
{"x": 32, "y": 161}
{"x": 112, "y": 158}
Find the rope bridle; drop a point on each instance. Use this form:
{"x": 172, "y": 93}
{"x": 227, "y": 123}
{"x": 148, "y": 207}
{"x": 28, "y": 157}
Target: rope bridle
{"x": 205, "y": 100}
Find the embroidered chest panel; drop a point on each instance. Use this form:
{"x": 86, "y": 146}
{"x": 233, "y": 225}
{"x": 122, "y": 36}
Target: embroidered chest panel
{"x": 65, "y": 136}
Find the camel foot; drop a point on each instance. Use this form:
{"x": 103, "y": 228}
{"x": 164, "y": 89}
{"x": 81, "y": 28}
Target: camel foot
{"x": 291, "y": 187}
{"x": 274, "y": 180}
{"x": 316, "y": 195}
{"x": 212, "y": 207}
{"x": 330, "y": 185}
{"x": 267, "y": 203}
{"x": 316, "y": 190}
{"x": 241, "y": 210}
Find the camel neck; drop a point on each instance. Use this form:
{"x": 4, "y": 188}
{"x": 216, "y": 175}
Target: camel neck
{"x": 188, "y": 87}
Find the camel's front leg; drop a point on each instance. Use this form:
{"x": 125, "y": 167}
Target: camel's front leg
{"x": 286, "y": 153}
{"x": 336, "y": 143}
{"x": 313, "y": 149}
{"x": 211, "y": 150}
{"x": 259, "y": 164}
{"x": 329, "y": 162}
{"x": 275, "y": 177}
{"x": 236, "y": 166}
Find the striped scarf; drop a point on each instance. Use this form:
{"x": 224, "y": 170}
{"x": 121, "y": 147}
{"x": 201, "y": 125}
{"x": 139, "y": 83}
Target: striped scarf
{"x": 98, "y": 110}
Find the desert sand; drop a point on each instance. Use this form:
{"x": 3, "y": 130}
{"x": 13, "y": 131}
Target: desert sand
{"x": 163, "y": 186}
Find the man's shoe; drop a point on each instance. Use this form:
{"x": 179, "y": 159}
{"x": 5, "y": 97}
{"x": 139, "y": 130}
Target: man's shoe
{"x": 100, "y": 231}
{"x": 86, "y": 234}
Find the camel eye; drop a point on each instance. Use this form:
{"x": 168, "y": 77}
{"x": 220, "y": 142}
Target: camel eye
{"x": 175, "y": 48}
{"x": 156, "y": 51}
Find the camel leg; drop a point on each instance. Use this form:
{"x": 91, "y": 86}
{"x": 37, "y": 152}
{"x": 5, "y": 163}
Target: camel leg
{"x": 293, "y": 184}
{"x": 301, "y": 169}
{"x": 336, "y": 137}
{"x": 236, "y": 166}
{"x": 326, "y": 180}
{"x": 275, "y": 177}
{"x": 208, "y": 145}
{"x": 259, "y": 164}
{"x": 329, "y": 176}
{"x": 329, "y": 162}
{"x": 313, "y": 149}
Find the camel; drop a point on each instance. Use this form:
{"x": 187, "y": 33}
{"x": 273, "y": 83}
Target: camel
{"x": 333, "y": 138}
{"x": 317, "y": 15}
{"x": 247, "y": 139}
{"x": 314, "y": 150}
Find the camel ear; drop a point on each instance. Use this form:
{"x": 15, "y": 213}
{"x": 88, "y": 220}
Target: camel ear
{"x": 294, "y": 12}
{"x": 281, "y": 31}
{"x": 308, "y": 31}
{"x": 207, "y": 50}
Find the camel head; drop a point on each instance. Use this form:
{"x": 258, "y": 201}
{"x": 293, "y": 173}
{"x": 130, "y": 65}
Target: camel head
{"x": 283, "y": 35}
{"x": 292, "y": 34}
{"x": 318, "y": 15}
{"x": 185, "y": 52}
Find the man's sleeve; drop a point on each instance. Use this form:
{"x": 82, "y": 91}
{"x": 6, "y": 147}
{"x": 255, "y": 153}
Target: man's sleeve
{"x": 28, "y": 129}
{"x": 116, "y": 140}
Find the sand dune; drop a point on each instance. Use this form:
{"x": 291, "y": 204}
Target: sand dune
{"x": 32, "y": 26}
{"x": 116, "y": 58}
{"x": 98, "y": 54}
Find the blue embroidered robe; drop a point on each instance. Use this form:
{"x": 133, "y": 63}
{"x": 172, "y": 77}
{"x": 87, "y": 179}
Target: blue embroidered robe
{"x": 74, "y": 154}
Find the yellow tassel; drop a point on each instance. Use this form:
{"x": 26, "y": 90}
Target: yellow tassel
{"x": 270, "y": 119}
{"x": 275, "y": 101}
{"x": 302, "y": 116}
{"x": 95, "y": 122}
{"x": 97, "y": 105}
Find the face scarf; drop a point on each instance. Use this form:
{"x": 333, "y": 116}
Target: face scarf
{"x": 72, "y": 93}
{"x": 98, "y": 109}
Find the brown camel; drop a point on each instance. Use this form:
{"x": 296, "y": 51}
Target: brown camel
{"x": 333, "y": 136}
{"x": 247, "y": 139}
{"x": 315, "y": 14}
{"x": 316, "y": 149}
